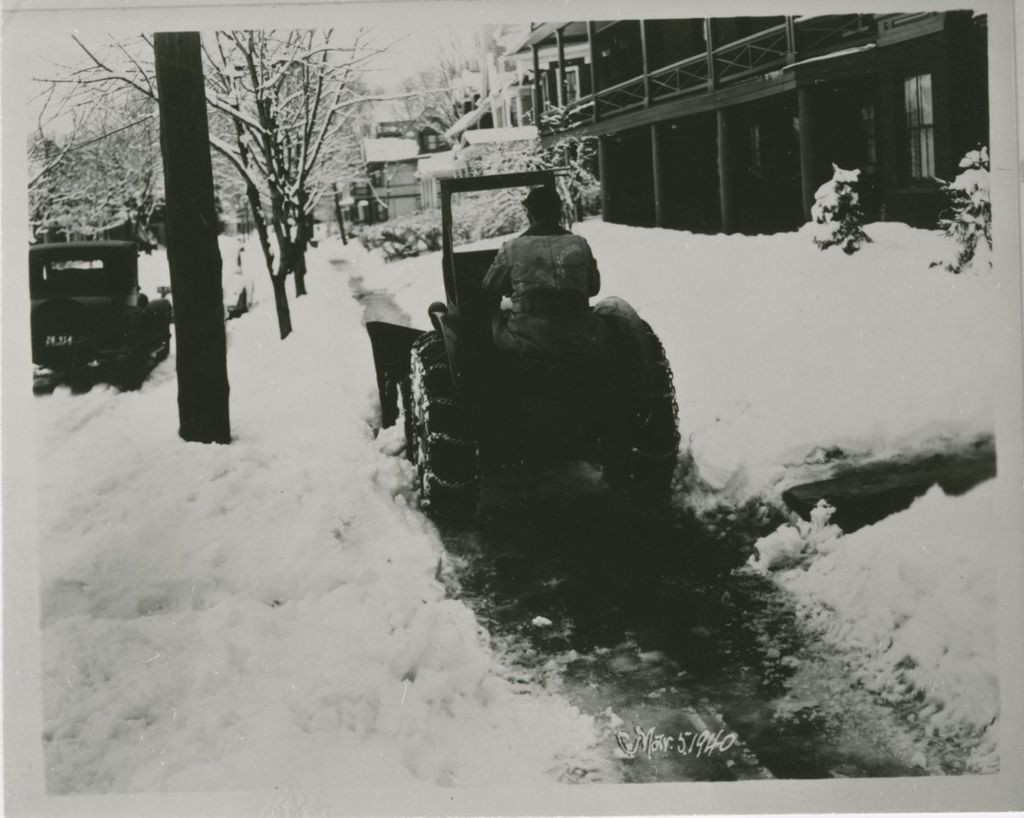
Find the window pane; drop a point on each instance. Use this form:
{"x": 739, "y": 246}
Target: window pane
{"x": 915, "y": 157}
{"x": 925, "y": 96}
{"x": 910, "y": 101}
{"x": 867, "y": 116}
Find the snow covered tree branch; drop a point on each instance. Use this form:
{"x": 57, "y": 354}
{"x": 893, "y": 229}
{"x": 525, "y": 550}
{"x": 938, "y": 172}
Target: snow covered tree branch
{"x": 282, "y": 105}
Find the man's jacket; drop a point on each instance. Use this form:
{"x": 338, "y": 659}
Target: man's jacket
{"x": 550, "y": 277}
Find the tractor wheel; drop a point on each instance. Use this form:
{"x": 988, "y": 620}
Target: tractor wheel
{"x": 440, "y": 433}
{"x": 641, "y": 455}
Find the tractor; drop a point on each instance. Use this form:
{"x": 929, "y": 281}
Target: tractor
{"x": 470, "y": 409}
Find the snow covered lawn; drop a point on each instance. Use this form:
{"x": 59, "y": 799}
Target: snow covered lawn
{"x": 786, "y": 357}
{"x": 266, "y": 613}
{"x": 779, "y": 348}
{"x": 269, "y": 613}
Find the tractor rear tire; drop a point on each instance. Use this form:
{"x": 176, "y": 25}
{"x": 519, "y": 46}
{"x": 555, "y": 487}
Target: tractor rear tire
{"x": 641, "y": 456}
{"x": 441, "y": 433}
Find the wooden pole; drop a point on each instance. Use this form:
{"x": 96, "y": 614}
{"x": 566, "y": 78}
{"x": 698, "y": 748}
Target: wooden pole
{"x": 808, "y": 149}
{"x": 591, "y": 34}
{"x": 192, "y": 252}
{"x": 538, "y": 104}
{"x": 660, "y": 183}
{"x": 563, "y": 92}
{"x": 604, "y": 174}
{"x": 726, "y": 172}
{"x": 644, "y": 63}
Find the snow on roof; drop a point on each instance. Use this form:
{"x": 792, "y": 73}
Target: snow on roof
{"x": 434, "y": 164}
{"x": 468, "y": 119}
{"x": 390, "y": 149}
{"x": 488, "y": 136}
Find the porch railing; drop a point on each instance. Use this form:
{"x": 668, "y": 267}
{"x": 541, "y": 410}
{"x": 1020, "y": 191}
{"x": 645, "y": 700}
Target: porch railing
{"x": 757, "y": 53}
{"x": 621, "y": 97}
{"x": 819, "y": 33}
{"x": 690, "y": 74}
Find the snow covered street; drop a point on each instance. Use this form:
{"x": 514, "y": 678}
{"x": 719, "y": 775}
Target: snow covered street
{"x": 264, "y": 614}
{"x": 278, "y": 612}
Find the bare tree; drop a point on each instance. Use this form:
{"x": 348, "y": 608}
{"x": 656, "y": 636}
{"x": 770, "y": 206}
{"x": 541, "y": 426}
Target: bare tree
{"x": 282, "y": 104}
{"x": 105, "y": 174}
{"x": 434, "y": 95}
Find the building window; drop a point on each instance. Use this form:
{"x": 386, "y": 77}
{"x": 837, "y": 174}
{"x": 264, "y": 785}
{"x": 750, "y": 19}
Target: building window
{"x": 920, "y": 132}
{"x": 572, "y": 84}
{"x": 755, "y": 164}
{"x": 869, "y": 138}
{"x": 526, "y": 105}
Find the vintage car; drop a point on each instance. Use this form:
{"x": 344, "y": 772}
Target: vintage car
{"x": 89, "y": 319}
{"x": 239, "y": 286}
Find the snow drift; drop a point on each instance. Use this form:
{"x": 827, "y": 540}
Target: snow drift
{"x": 266, "y": 613}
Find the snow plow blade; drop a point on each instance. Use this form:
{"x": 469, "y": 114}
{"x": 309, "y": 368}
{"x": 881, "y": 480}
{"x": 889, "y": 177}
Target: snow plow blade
{"x": 392, "y": 345}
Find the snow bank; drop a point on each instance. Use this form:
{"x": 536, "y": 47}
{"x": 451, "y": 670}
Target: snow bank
{"x": 266, "y": 613}
{"x": 779, "y": 348}
{"x": 912, "y": 601}
{"x": 783, "y": 353}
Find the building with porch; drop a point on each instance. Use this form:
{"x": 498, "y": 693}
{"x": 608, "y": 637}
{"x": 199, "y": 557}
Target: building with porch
{"x": 731, "y": 124}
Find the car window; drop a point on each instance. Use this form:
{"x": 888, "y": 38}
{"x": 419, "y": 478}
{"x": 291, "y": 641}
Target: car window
{"x": 80, "y": 278}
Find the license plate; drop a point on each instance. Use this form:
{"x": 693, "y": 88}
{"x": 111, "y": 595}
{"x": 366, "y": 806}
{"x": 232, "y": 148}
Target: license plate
{"x": 60, "y": 340}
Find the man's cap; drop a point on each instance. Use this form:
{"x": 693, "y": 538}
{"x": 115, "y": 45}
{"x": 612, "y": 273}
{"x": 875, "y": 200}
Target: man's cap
{"x": 542, "y": 199}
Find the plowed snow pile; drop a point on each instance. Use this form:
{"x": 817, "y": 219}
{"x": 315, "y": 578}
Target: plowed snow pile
{"x": 782, "y": 352}
{"x": 779, "y": 349}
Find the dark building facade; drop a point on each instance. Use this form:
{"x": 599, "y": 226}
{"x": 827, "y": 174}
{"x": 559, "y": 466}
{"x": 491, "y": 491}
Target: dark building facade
{"x": 731, "y": 124}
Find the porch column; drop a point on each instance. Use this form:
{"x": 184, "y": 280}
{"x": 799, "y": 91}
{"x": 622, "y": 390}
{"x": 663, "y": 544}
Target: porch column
{"x": 643, "y": 62}
{"x": 593, "y": 66}
{"x": 808, "y": 149}
{"x": 726, "y": 172}
{"x": 563, "y": 95}
{"x": 660, "y": 183}
{"x": 790, "y": 40}
{"x": 709, "y": 54}
{"x": 537, "y": 107}
{"x": 603, "y": 172}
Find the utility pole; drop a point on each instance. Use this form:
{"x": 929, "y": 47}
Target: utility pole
{"x": 337, "y": 212}
{"x": 192, "y": 252}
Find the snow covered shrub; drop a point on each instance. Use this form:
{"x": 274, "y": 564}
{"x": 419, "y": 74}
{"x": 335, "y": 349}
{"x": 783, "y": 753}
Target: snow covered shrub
{"x": 969, "y": 217}
{"x": 578, "y": 188}
{"x": 414, "y": 234}
{"x": 836, "y": 213}
{"x": 404, "y": 236}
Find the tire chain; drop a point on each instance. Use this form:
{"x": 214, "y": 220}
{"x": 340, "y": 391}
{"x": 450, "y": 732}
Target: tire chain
{"x": 418, "y": 376}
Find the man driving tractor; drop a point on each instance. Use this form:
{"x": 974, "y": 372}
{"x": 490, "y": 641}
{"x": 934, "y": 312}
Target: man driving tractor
{"x": 550, "y": 275}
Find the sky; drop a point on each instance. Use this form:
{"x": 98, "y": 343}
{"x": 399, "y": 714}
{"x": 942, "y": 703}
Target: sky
{"x": 411, "y": 48}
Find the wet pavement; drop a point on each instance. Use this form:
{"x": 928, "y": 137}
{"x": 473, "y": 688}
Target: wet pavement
{"x": 651, "y": 630}
{"x": 695, "y": 667}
